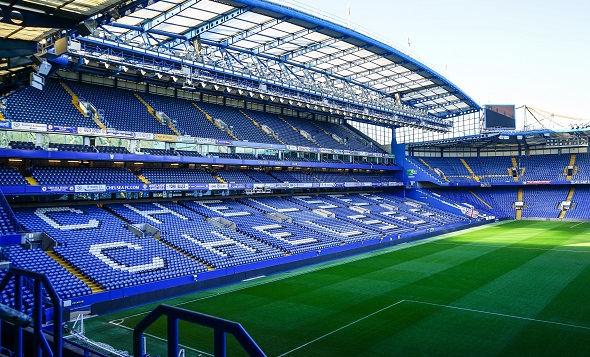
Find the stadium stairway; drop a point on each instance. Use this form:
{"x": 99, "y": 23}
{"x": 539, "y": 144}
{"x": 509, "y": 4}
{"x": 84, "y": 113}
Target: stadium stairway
{"x": 572, "y": 164}
{"x": 519, "y": 198}
{"x": 481, "y": 200}
{"x": 473, "y": 175}
{"x": 210, "y": 118}
{"x": 329, "y": 135}
{"x": 185, "y": 253}
{"x": 515, "y": 166}
{"x": 151, "y": 110}
{"x": 32, "y": 181}
{"x": 75, "y": 100}
{"x": 76, "y": 103}
{"x": 143, "y": 179}
{"x": 569, "y": 197}
{"x": 256, "y": 124}
{"x": 308, "y": 137}
{"x": 433, "y": 170}
{"x": 219, "y": 179}
{"x": 94, "y": 287}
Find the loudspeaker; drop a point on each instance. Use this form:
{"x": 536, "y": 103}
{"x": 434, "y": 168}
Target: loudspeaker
{"x": 86, "y": 28}
{"x": 61, "y": 46}
{"x": 37, "y": 60}
{"x": 36, "y": 81}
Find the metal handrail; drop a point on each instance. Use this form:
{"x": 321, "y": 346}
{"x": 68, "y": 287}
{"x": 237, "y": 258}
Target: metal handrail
{"x": 220, "y": 328}
{"x": 41, "y": 345}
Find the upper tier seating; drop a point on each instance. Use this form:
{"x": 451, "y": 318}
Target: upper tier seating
{"x": 10, "y": 176}
{"x": 177, "y": 176}
{"x": 354, "y": 142}
{"x": 24, "y": 145}
{"x": 122, "y": 109}
{"x": 282, "y": 128}
{"x": 241, "y": 126}
{"x": 496, "y": 169}
{"x": 83, "y": 175}
{"x": 72, "y": 147}
{"x": 52, "y": 105}
{"x": 112, "y": 150}
{"x": 189, "y": 120}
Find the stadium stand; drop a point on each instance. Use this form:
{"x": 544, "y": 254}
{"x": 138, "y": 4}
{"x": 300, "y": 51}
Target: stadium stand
{"x": 10, "y": 176}
{"x": 154, "y": 175}
{"x": 98, "y": 245}
{"x": 50, "y": 106}
{"x": 134, "y": 116}
{"x": 54, "y": 175}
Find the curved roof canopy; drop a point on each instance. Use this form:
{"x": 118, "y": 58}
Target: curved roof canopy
{"x": 270, "y": 47}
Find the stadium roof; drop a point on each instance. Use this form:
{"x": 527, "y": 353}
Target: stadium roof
{"x": 268, "y": 45}
{"x": 511, "y": 139}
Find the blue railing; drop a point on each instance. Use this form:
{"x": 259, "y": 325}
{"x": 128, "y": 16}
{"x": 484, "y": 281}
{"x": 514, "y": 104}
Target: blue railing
{"x": 220, "y": 328}
{"x": 13, "y": 220}
{"x": 41, "y": 346}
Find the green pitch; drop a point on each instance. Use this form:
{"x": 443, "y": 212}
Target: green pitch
{"x": 520, "y": 288}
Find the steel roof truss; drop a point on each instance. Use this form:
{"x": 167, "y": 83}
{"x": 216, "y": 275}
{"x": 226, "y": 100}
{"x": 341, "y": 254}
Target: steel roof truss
{"x": 441, "y": 105}
{"x": 428, "y": 99}
{"x": 334, "y": 56}
{"x": 214, "y": 22}
{"x": 149, "y": 24}
{"x": 391, "y": 78}
{"x": 418, "y": 91}
{"x": 249, "y": 32}
{"x": 396, "y": 87}
{"x": 348, "y": 65}
{"x": 375, "y": 70}
{"x": 280, "y": 41}
{"x": 306, "y": 49}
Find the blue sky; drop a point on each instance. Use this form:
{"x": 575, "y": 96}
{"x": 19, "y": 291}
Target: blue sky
{"x": 515, "y": 52}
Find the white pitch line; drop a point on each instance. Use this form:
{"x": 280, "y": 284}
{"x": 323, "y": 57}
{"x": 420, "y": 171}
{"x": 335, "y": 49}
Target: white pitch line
{"x": 509, "y": 247}
{"x": 575, "y": 225}
{"x": 165, "y": 340}
{"x": 500, "y": 314}
{"x": 340, "y": 328}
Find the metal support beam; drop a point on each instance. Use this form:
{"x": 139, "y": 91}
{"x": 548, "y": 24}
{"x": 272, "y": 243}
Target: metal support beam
{"x": 428, "y": 99}
{"x": 306, "y": 49}
{"x": 422, "y": 90}
{"x": 214, "y": 22}
{"x": 334, "y": 56}
{"x": 397, "y": 87}
{"x": 149, "y": 24}
{"x": 34, "y": 15}
{"x": 282, "y": 40}
{"x": 245, "y": 34}
{"x": 243, "y": 66}
{"x": 375, "y": 70}
{"x": 15, "y": 48}
{"x": 440, "y": 105}
{"x": 348, "y": 65}
{"x": 391, "y": 78}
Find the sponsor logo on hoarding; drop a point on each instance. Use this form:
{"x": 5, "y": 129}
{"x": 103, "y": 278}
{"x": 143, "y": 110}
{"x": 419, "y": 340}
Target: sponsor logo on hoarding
{"x": 90, "y": 188}
{"x": 29, "y": 126}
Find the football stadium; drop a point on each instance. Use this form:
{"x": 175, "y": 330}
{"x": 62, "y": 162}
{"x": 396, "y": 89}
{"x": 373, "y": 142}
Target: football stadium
{"x": 248, "y": 177}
